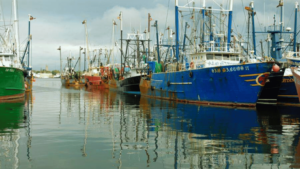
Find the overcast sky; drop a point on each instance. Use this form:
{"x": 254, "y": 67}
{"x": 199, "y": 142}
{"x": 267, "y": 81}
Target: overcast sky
{"x": 59, "y": 22}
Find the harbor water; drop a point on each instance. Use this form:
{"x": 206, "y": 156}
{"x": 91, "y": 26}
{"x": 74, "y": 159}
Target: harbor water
{"x": 58, "y": 127}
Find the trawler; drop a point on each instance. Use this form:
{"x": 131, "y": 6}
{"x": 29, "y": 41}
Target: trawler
{"x": 12, "y": 84}
{"x": 215, "y": 74}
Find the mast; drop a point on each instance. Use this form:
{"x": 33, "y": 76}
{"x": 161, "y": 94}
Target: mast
{"x": 281, "y": 17}
{"x": 29, "y": 39}
{"x": 138, "y": 51}
{"x": 203, "y": 17}
{"x": 194, "y": 28}
{"x": 87, "y": 44}
{"x": 121, "y": 18}
{"x": 157, "y": 41}
{"x": 84, "y": 66}
{"x": 60, "y": 61}
{"x": 295, "y": 28}
{"x": 253, "y": 27}
{"x": 149, "y": 20}
{"x": 113, "y": 41}
{"x": 80, "y": 48}
{"x": 229, "y": 24}
{"x": 177, "y": 30}
{"x": 16, "y": 24}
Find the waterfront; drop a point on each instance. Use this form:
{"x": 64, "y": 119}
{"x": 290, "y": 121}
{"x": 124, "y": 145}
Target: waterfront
{"x": 75, "y": 128}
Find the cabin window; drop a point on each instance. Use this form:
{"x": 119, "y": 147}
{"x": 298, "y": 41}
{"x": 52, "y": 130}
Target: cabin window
{"x": 218, "y": 57}
{"x": 210, "y": 57}
{"x": 232, "y": 58}
{"x": 225, "y": 57}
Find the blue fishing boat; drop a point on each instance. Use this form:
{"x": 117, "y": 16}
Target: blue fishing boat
{"x": 216, "y": 74}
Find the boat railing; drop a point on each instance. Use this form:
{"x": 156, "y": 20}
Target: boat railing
{"x": 291, "y": 54}
{"x": 218, "y": 47}
{"x": 171, "y": 67}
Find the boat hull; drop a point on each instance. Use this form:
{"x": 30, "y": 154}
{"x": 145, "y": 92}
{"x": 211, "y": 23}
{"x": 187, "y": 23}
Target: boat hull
{"x": 269, "y": 94}
{"x": 130, "y": 84}
{"x": 12, "y": 84}
{"x": 288, "y": 91}
{"x": 94, "y": 82}
{"x": 297, "y": 81}
{"x": 238, "y": 85}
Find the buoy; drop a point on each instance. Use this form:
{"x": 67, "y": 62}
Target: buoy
{"x": 192, "y": 65}
{"x": 275, "y": 68}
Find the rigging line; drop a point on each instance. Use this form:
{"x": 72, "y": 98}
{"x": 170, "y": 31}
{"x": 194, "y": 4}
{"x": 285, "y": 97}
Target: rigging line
{"x": 1, "y": 8}
{"x": 292, "y": 12}
{"x": 218, "y": 5}
{"x": 244, "y": 16}
{"x": 264, "y": 35}
{"x": 166, "y": 19}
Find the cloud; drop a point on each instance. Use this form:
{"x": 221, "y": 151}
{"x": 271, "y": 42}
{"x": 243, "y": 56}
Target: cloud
{"x": 58, "y": 22}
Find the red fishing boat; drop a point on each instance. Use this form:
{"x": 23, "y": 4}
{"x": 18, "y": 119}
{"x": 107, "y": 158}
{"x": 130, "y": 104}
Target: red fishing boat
{"x": 296, "y": 74}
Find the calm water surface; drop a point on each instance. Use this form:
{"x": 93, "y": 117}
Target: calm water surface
{"x": 74, "y": 128}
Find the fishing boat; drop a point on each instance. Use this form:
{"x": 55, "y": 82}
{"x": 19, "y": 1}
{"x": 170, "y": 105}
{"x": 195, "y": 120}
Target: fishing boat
{"x": 134, "y": 61}
{"x": 92, "y": 76}
{"x": 296, "y": 75}
{"x": 215, "y": 74}
{"x": 282, "y": 46}
{"x": 12, "y": 83}
{"x": 127, "y": 76}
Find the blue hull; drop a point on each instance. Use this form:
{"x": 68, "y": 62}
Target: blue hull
{"x": 288, "y": 92}
{"x": 238, "y": 85}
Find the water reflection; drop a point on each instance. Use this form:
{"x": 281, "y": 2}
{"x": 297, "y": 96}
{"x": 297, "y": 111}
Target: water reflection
{"x": 79, "y": 128}
{"x": 11, "y": 120}
{"x": 213, "y": 137}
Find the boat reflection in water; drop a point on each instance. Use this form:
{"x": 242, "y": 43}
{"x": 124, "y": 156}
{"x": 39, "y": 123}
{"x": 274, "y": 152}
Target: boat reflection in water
{"x": 218, "y": 137}
{"x": 88, "y": 129}
{"x": 11, "y": 120}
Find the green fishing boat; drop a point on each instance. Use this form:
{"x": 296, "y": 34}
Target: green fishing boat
{"x": 12, "y": 84}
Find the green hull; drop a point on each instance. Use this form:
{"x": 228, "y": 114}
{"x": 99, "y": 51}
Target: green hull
{"x": 11, "y": 83}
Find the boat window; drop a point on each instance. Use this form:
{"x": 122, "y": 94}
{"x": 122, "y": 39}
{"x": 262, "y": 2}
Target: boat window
{"x": 225, "y": 57}
{"x": 210, "y": 57}
{"x": 218, "y": 57}
{"x": 232, "y": 58}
